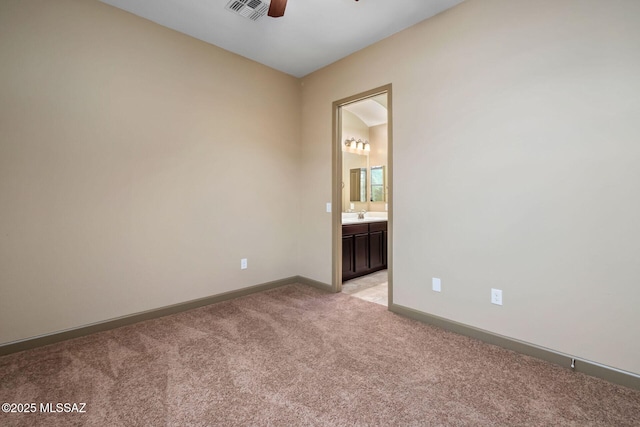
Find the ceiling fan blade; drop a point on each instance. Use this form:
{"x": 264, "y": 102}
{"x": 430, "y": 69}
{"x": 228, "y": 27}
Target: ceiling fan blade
{"x": 276, "y": 8}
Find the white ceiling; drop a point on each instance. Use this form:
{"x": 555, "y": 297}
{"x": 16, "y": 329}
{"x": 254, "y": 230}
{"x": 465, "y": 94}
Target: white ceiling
{"x": 372, "y": 111}
{"x": 311, "y": 34}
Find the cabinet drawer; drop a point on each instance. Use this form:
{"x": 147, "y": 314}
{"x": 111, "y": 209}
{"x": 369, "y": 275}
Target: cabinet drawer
{"x": 351, "y": 229}
{"x": 378, "y": 226}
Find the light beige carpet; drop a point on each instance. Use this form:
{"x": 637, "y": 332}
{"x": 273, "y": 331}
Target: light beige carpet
{"x": 295, "y": 356}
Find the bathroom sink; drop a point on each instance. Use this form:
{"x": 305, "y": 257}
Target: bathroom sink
{"x": 352, "y": 217}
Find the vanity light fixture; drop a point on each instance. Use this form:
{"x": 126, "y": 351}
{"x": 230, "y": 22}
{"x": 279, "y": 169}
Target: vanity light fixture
{"x": 357, "y": 145}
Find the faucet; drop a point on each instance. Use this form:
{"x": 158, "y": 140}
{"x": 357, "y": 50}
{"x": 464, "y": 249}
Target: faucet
{"x": 361, "y": 214}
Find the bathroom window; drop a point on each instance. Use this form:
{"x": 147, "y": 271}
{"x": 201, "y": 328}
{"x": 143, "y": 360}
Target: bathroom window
{"x": 377, "y": 183}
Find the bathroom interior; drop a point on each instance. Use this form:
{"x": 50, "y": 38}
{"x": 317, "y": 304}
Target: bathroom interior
{"x": 365, "y": 199}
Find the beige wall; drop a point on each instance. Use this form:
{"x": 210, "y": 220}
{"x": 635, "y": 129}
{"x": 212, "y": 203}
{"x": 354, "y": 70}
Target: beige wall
{"x": 378, "y": 157}
{"x": 137, "y": 166}
{"x": 515, "y": 166}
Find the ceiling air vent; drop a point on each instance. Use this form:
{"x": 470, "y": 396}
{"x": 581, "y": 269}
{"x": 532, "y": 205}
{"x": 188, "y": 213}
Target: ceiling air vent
{"x": 252, "y": 9}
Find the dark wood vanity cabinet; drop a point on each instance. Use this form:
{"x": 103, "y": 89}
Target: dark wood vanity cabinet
{"x": 364, "y": 249}
{"x": 377, "y": 245}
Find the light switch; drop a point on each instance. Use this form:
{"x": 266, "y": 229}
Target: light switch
{"x": 436, "y": 285}
{"x": 328, "y": 207}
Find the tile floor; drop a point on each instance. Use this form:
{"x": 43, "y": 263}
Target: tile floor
{"x": 373, "y": 287}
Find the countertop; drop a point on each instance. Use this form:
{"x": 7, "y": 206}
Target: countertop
{"x": 352, "y": 218}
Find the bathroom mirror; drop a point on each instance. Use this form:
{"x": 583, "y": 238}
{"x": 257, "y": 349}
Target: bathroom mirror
{"x": 358, "y": 185}
{"x": 377, "y": 184}
{"x": 355, "y": 167}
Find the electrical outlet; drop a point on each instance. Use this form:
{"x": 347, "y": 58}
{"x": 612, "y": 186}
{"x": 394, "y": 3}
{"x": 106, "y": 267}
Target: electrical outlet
{"x": 496, "y": 296}
{"x": 243, "y": 264}
{"x": 436, "y": 285}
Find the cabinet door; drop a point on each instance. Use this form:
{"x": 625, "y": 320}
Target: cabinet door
{"x": 348, "y": 258}
{"x": 361, "y": 246}
{"x": 376, "y": 243}
{"x": 384, "y": 248}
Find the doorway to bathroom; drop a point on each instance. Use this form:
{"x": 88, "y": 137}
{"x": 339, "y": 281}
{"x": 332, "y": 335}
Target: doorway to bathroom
{"x": 362, "y": 190}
